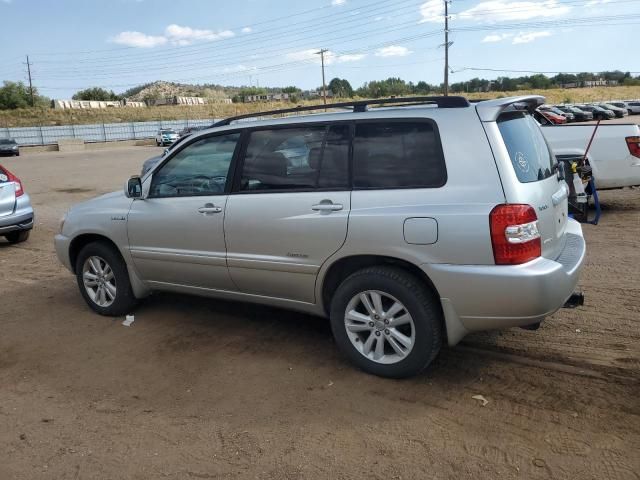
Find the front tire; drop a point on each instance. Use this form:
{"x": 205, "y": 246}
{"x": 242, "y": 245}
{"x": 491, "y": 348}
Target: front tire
{"x": 387, "y": 322}
{"x": 18, "y": 236}
{"x": 103, "y": 280}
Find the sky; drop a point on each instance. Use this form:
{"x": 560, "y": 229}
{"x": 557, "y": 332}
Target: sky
{"x": 117, "y": 44}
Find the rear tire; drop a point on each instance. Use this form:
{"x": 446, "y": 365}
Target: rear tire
{"x": 18, "y": 236}
{"x": 408, "y": 313}
{"x": 103, "y": 280}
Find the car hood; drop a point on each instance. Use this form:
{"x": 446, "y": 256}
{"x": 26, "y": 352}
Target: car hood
{"x": 108, "y": 201}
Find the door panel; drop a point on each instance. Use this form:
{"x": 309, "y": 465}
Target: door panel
{"x": 176, "y": 234}
{"x": 277, "y": 242}
{"x": 171, "y": 241}
{"x": 278, "y": 235}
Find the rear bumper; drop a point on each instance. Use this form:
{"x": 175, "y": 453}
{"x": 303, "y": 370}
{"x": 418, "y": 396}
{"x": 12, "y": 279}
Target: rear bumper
{"x": 22, "y": 217}
{"x": 486, "y": 297}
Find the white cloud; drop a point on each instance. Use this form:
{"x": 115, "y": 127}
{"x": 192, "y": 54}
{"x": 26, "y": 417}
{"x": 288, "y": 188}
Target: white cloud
{"x": 496, "y": 37}
{"x": 138, "y": 39}
{"x": 180, "y": 35}
{"x": 504, "y": 10}
{"x": 597, "y": 2}
{"x": 353, "y": 57}
{"x": 528, "y": 37}
{"x": 238, "y": 68}
{"x": 432, "y": 11}
{"x": 393, "y": 51}
{"x": 174, "y": 34}
{"x": 247, "y": 30}
{"x": 337, "y": 3}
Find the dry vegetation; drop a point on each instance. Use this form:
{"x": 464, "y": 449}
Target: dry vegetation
{"x": 46, "y": 117}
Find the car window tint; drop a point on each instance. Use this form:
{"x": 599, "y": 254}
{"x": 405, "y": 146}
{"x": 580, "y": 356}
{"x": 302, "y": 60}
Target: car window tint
{"x": 200, "y": 168}
{"x": 397, "y": 155}
{"x": 528, "y": 150}
{"x": 283, "y": 159}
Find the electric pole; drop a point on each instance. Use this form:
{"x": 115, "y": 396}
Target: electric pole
{"x": 446, "y": 47}
{"x": 324, "y": 85}
{"x": 30, "y": 83}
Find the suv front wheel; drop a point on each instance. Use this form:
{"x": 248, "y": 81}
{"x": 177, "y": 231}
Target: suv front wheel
{"x": 387, "y": 322}
{"x": 103, "y": 280}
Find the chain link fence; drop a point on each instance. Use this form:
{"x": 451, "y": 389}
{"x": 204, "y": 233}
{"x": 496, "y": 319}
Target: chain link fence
{"x": 98, "y": 132}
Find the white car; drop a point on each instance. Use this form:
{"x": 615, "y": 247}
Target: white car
{"x": 166, "y": 136}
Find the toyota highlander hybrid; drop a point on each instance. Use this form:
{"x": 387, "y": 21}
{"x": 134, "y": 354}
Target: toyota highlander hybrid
{"x": 407, "y": 225}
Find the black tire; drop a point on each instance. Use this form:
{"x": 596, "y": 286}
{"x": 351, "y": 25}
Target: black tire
{"x": 17, "y": 154}
{"x": 18, "y": 236}
{"x": 124, "y": 300}
{"x": 421, "y": 303}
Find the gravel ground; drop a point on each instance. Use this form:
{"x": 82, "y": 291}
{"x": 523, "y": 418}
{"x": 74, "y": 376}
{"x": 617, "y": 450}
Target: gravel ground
{"x": 199, "y": 389}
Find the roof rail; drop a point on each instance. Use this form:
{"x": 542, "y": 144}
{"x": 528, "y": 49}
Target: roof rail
{"x": 358, "y": 106}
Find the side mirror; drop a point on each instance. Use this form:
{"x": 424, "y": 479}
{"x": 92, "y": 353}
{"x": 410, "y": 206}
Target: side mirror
{"x": 133, "y": 189}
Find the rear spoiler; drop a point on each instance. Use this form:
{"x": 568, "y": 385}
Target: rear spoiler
{"x": 489, "y": 110}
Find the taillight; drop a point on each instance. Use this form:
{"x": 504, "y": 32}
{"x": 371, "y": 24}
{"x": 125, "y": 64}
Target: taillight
{"x": 634, "y": 146}
{"x": 12, "y": 178}
{"x": 514, "y": 234}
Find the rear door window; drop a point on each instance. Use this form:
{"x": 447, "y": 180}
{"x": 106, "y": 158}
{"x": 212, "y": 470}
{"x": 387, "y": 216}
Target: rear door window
{"x": 300, "y": 158}
{"x": 529, "y": 153}
{"x": 405, "y": 154}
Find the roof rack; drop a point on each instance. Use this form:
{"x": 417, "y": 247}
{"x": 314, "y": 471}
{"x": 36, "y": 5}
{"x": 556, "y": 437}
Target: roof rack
{"x": 358, "y": 106}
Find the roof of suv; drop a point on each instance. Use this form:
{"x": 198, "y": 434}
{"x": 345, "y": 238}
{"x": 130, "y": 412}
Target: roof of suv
{"x": 488, "y": 110}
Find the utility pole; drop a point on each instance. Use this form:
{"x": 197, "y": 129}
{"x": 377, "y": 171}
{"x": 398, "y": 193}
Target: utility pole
{"x": 446, "y": 47}
{"x": 30, "y": 83}
{"x": 324, "y": 85}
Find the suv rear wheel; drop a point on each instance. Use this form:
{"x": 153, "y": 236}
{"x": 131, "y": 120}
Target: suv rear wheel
{"x": 387, "y": 322}
{"x": 103, "y": 280}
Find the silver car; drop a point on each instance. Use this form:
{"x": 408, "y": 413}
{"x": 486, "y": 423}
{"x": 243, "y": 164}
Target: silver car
{"x": 406, "y": 226}
{"x": 16, "y": 213}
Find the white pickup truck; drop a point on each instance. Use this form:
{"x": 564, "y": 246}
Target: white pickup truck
{"x": 614, "y": 155}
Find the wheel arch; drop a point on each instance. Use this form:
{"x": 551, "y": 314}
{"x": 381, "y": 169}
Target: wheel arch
{"x": 343, "y": 267}
{"x": 79, "y": 242}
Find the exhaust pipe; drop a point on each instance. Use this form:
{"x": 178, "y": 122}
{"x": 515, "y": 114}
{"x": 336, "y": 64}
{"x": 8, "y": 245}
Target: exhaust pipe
{"x": 575, "y": 300}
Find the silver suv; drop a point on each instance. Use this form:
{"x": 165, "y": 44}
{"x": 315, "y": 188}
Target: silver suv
{"x": 406, "y": 225}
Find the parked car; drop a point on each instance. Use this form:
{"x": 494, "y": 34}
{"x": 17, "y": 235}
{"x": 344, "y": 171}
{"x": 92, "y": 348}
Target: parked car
{"x": 568, "y": 115}
{"x": 619, "y": 112}
{"x": 166, "y": 136}
{"x": 16, "y": 213}
{"x": 8, "y": 146}
{"x": 579, "y": 115}
{"x": 599, "y": 113}
{"x": 553, "y": 117}
{"x": 627, "y": 106}
{"x": 382, "y": 228}
{"x": 614, "y": 155}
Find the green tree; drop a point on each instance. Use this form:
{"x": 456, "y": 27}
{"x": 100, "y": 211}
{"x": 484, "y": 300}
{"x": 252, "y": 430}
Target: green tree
{"x": 14, "y": 95}
{"x": 340, "y": 88}
{"x": 95, "y": 93}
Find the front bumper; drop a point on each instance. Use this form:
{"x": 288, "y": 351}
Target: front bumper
{"x": 486, "y": 297}
{"x": 62, "y": 244}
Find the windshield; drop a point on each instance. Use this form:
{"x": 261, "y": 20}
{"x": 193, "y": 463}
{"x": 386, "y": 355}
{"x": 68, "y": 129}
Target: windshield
{"x": 528, "y": 150}
{"x": 7, "y": 141}
{"x": 167, "y": 131}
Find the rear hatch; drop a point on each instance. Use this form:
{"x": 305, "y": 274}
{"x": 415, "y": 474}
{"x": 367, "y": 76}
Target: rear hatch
{"x": 538, "y": 183}
{"x": 7, "y": 194}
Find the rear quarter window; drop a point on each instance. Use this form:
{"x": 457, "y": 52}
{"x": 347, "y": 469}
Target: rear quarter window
{"x": 529, "y": 153}
{"x": 399, "y": 154}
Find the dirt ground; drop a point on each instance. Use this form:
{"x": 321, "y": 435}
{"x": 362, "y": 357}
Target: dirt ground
{"x": 200, "y": 389}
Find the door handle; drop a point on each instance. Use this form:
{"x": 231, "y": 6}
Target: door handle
{"x": 327, "y": 206}
{"x": 209, "y": 208}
